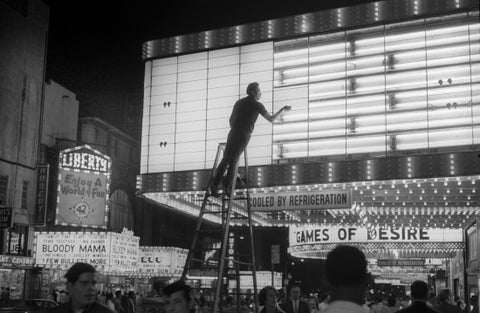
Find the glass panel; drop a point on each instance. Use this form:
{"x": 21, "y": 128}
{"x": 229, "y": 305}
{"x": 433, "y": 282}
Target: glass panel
{"x": 405, "y": 96}
{"x": 291, "y": 62}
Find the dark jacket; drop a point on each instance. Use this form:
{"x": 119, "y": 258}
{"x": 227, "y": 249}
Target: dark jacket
{"x": 94, "y": 308}
{"x": 417, "y": 307}
{"x": 446, "y": 307}
{"x": 287, "y": 307}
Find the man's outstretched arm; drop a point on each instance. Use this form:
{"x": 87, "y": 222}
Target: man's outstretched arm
{"x": 274, "y": 117}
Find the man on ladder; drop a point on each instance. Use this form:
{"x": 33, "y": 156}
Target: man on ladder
{"x": 242, "y": 121}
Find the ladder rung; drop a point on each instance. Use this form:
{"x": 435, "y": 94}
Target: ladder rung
{"x": 241, "y": 217}
{"x": 240, "y": 198}
{"x": 216, "y": 212}
{"x": 211, "y": 231}
{"x": 239, "y": 262}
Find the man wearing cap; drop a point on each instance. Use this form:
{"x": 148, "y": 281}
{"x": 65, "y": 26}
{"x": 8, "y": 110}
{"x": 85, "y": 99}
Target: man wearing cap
{"x": 346, "y": 269}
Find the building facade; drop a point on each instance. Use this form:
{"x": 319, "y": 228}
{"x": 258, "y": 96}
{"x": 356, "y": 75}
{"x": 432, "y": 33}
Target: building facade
{"x": 385, "y": 113}
{"x": 123, "y": 151}
{"x": 22, "y": 74}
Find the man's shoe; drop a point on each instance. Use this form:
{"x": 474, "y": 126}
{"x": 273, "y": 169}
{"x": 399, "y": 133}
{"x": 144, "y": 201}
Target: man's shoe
{"x": 226, "y": 190}
{"x": 240, "y": 184}
{"x": 214, "y": 191}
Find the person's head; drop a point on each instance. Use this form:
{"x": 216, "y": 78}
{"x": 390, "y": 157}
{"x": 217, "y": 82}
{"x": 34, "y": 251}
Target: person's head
{"x": 391, "y": 301}
{"x": 445, "y": 295}
{"x": 253, "y": 90}
{"x": 81, "y": 284}
{"x": 179, "y": 298}
{"x": 295, "y": 292}
{"x": 419, "y": 290}
{"x": 346, "y": 266}
{"x": 118, "y": 293}
{"x": 267, "y": 296}
{"x": 312, "y": 303}
{"x": 323, "y": 297}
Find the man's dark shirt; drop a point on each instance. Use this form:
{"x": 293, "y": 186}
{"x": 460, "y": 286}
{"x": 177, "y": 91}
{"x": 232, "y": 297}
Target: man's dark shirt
{"x": 245, "y": 113}
{"x": 287, "y": 307}
{"x": 417, "y": 307}
{"x": 446, "y": 307}
{"x": 95, "y": 307}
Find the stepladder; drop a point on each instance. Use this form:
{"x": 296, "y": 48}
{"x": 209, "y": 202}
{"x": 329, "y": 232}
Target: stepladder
{"x": 213, "y": 249}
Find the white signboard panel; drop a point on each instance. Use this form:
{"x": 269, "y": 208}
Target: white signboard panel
{"x": 314, "y": 200}
{"x": 319, "y": 234}
{"x": 124, "y": 252}
{"x": 83, "y": 187}
{"x": 63, "y": 249}
{"x": 161, "y": 261}
{"x": 264, "y": 278}
{"x": 110, "y": 252}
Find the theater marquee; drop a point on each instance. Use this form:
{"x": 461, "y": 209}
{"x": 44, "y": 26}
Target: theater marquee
{"x": 109, "y": 251}
{"x": 314, "y": 200}
{"x": 83, "y": 187}
{"x": 328, "y": 234}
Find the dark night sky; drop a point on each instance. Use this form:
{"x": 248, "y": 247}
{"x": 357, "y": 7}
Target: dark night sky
{"x": 95, "y": 46}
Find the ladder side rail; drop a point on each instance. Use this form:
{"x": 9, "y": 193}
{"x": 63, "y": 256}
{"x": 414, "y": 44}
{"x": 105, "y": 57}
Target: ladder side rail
{"x": 188, "y": 261}
{"x": 237, "y": 278}
{"x": 252, "y": 247}
{"x": 221, "y": 263}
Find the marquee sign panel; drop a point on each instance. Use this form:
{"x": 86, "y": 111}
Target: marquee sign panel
{"x": 83, "y": 187}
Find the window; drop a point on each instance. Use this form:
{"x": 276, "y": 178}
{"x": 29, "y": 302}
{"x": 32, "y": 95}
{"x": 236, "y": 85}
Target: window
{"x": 97, "y": 136}
{"x": 3, "y": 189}
{"x": 115, "y": 146}
{"x": 121, "y": 211}
{"x": 24, "y": 194}
{"x": 17, "y": 240}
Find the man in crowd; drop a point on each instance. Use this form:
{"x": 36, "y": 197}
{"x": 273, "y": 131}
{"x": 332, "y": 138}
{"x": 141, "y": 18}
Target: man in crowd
{"x": 346, "y": 271}
{"x": 419, "y": 295}
{"x": 81, "y": 285}
{"x": 445, "y": 302}
{"x": 294, "y": 304}
{"x": 179, "y": 298}
{"x": 5, "y": 297}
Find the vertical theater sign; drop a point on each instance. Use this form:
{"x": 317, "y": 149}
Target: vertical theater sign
{"x": 83, "y": 187}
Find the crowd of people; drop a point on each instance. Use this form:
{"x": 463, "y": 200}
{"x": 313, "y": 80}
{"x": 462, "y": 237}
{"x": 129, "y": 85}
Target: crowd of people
{"x": 346, "y": 273}
{"x": 4, "y": 297}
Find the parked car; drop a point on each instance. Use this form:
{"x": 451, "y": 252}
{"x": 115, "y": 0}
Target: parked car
{"x": 31, "y": 305}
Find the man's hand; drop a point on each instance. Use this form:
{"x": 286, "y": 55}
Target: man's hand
{"x": 287, "y": 108}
